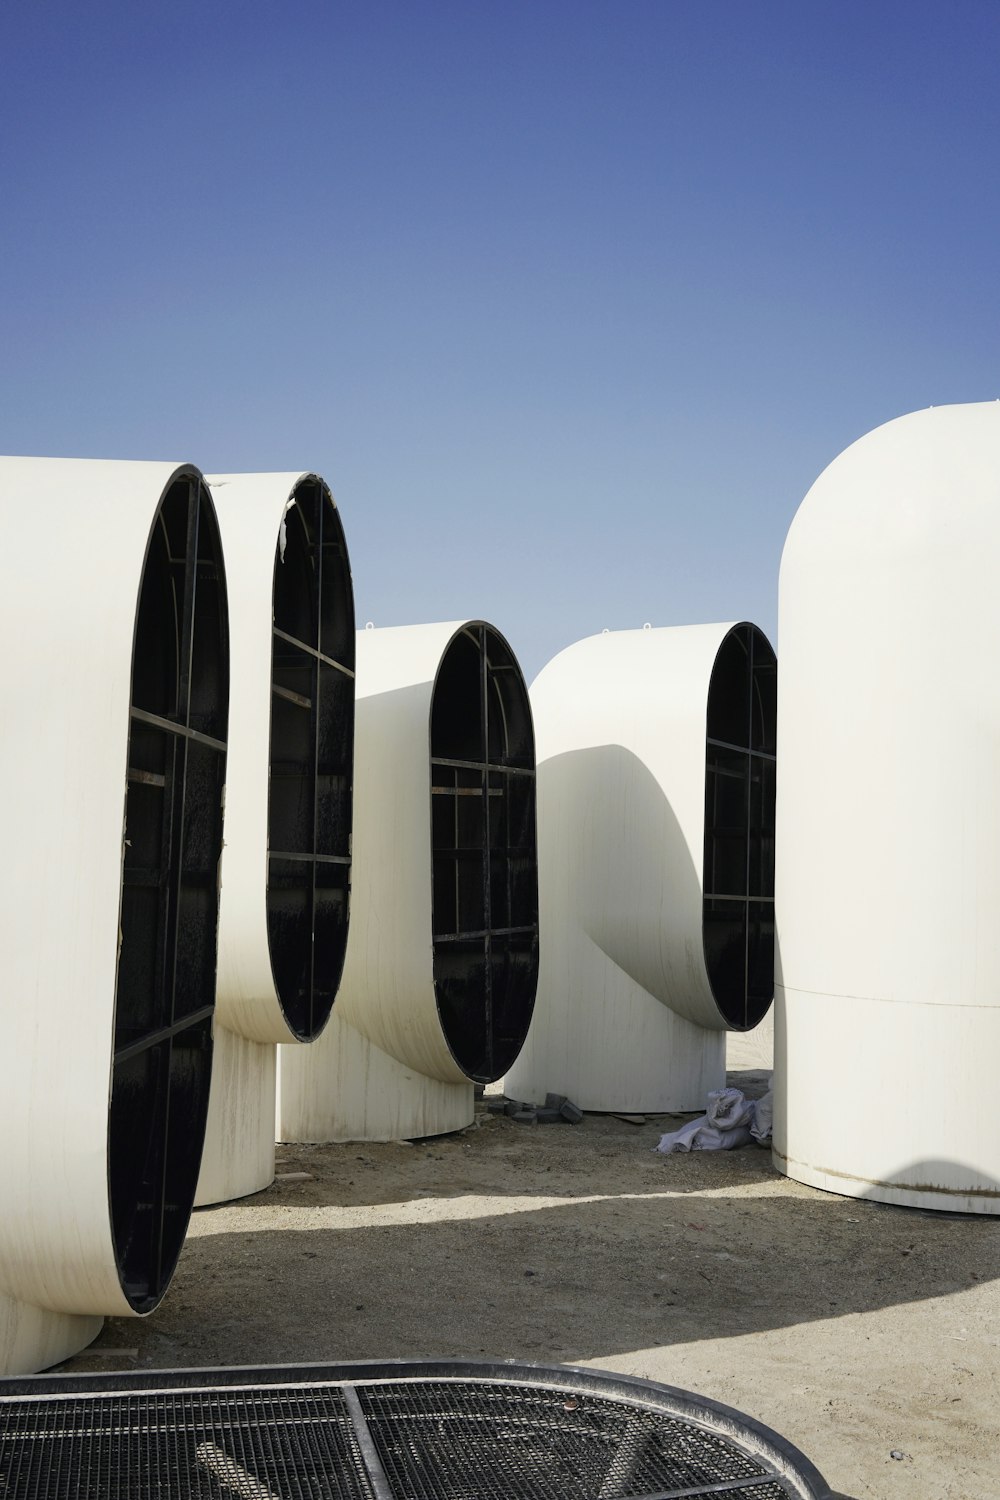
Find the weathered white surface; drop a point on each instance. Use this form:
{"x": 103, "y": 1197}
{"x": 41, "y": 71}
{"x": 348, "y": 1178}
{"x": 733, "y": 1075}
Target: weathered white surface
{"x": 239, "y": 1134}
{"x": 361, "y": 1093}
{"x": 753, "y": 1050}
{"x": 625, "y": 1018}
{"x": 75, "y": 536}
{"x": 888, "y": 819}
{"x": 239, "y": 1142}
{"x": 250, "y": 508}
{"x": 35, "y": 1338}
{"x": 387, "y": 990}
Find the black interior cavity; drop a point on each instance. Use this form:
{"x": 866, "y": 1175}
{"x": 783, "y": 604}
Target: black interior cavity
{"x": 485, "y": 858}
{"x": 738, "y": 911}
{"x": 170, "y": 890}
{"x": 311, "y": 759}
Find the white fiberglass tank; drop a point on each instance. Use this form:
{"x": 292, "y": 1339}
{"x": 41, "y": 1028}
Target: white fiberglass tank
{"x": 887, "y": 1028}
{"x": 442, "y": 955}
{"x": 656, "y": 864}
{"x": 112, "y": 771}
{"x": 286, "y": 874}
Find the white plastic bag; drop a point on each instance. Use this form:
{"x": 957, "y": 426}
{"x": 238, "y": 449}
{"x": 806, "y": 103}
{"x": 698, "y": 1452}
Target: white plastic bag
{"x": 763, "y": 1117}
{"x": 731, "y": 1120}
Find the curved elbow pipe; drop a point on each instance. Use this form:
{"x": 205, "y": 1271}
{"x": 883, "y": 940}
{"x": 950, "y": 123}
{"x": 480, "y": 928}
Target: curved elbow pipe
{"x": 286, "y": 873}
{"x": 442, "y": 956}
{"x": 655, "y": 790}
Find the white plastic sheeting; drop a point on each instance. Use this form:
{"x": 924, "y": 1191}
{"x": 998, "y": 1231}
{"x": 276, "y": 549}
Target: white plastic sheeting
{"x": 887, "y": 1030}
{"x": 730, "y": 1121}
{"x": 626, "y": 1016}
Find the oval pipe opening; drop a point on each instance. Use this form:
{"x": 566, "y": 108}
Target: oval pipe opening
{"x": 165, "y": 993}
{"x": 484, "y": 851}
{"x": 738, "y": 906}
{"x": 311, "y": 759}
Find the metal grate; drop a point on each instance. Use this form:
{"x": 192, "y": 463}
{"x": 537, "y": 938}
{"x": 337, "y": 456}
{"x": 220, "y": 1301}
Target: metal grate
{"x": 258, "y": 1445}
{"x": 442, "y": 1441}
{"x": 385, "y": 1433}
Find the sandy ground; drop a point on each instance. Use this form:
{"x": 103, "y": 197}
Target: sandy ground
{"x": 854, "y": 1329}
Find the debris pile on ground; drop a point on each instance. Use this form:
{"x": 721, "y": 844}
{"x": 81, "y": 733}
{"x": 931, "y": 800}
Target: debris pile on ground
{"x": 730, "y": 1121}
{"x": 557, "y": 1109}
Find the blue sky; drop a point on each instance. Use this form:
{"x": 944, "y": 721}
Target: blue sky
{"x": 569, "y": 302}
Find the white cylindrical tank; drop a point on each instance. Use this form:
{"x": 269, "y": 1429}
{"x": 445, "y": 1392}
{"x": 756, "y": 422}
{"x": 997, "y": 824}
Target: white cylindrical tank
{"x": 887, "y": 1028}
{"x": 286, "y": 874}
{"x": 112, "y": 772}
{"x": 656, "y": 864}
{"x": 442, "y": 955}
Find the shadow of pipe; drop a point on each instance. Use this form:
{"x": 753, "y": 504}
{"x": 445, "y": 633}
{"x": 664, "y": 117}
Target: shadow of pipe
{"x": 449, "y": 1278}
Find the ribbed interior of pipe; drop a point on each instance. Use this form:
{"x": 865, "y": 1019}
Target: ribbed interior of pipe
{"x": 485, "y": 857}
{"x": 738, "y": 911}
{"x": 169, "y": 909}
{"x": 311, "y": 760}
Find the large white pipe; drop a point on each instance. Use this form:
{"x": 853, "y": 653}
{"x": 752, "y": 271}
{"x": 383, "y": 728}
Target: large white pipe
{"x": 655, "y": 798}
{"x": 442, "y": 953}
{"x": 887, "y": 1029}
{"x": 112, "y": 768}
{"x": 286, "y": 874}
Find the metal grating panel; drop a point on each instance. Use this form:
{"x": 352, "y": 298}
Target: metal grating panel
{"x": 768, "y": 1491}
{"x": 443, "y": 1441}
{"x": 378, "y": 1432}
{"x": 204, "y": 1445}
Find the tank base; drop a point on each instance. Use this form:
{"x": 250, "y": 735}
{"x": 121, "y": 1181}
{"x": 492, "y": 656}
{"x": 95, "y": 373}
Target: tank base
{"x": 628, "y": 1052}
{"x": 238, "y": 1156}
{"x": 885, "y": 1192}
{"x": 344, "y": 1088}
{"x": 887, "y": 1101}
{"x": 34, "y": 1338}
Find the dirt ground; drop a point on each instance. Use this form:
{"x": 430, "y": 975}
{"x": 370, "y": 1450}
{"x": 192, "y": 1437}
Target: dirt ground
{"x": 856, "y": 1330}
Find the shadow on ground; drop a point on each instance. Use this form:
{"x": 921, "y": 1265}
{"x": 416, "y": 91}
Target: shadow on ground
{"x": 494, "y": 1243}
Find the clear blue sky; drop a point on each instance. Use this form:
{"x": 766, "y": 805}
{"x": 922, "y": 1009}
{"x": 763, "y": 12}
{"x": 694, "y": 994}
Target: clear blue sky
{"x": 569, "y": 301}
